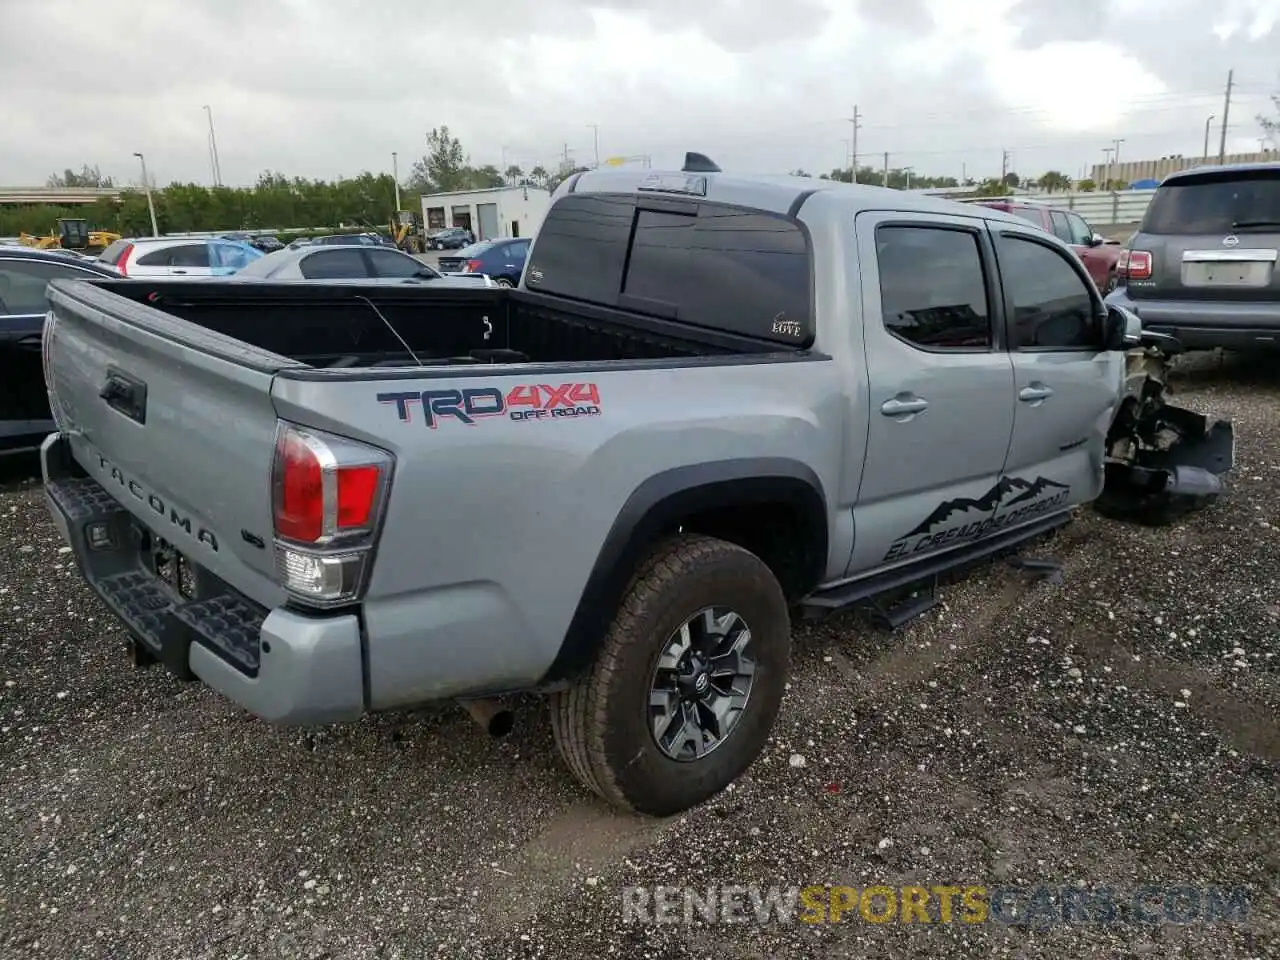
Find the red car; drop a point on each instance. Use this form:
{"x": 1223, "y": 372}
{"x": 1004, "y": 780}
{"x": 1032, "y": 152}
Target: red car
{"x": 1098, "y": 254}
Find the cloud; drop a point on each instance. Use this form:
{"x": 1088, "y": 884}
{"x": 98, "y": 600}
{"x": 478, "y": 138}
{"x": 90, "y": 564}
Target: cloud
{"x": 322, "y": 88}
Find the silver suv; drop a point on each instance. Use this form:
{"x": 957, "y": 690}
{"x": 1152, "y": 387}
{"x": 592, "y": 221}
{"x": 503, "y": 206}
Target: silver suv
{"x": 179, "y": 257}
{"x": 1202, "y": 266}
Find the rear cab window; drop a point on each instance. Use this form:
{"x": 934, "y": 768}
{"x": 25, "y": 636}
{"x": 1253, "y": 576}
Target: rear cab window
{"x": 1216, "y": 203}
{"x": 708, "y": 264}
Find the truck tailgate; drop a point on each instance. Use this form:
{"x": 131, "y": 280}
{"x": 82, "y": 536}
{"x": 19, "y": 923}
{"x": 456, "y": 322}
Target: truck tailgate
{"x": 175, "y": 422}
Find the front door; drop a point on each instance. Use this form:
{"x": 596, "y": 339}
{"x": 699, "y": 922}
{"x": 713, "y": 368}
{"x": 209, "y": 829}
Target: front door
{"x": 1067, "y": 386}
{"x": 940, "y": 387}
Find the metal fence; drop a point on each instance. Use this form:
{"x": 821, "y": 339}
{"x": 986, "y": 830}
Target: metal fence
{"x": 1122, "y": 206}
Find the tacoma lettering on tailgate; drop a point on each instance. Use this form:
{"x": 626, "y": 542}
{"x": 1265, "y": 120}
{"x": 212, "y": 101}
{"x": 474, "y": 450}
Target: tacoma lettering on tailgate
{"x": 535, "y": 401}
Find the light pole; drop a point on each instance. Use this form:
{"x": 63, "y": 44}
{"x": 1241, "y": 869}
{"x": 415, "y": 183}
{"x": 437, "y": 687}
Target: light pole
{"x": 907, "y": 171}
{"x": 213, "y": 149}
{"x": 146, "y": 185}
{"x": 395, "y": 175}
{"x": 1207, "y": 120}
{"x": 595, "y": 133}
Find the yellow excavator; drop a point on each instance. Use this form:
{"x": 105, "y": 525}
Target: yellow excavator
{"x": 406, "y": 231}
{"x": 72, "y": 234}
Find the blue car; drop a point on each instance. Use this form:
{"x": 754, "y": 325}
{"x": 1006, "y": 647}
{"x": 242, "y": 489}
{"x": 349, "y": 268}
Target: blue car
{"x": 501, "y": 260}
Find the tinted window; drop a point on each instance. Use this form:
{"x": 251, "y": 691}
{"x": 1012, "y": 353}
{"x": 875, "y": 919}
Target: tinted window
{"x": 1052, "y": 305}
{"x": 186, "y": 255}
{"x": 22, "y": 283}
{"x": 1061, "y": 229}
{"x": 389, "y": 264}
{"x": 932, "y": 289}
{"x": 334, "y": 265}
{"x": 1081, "y": 232}
{"x": 1216, "y": 204}
{"x": 519, "y": 250}
{"x": 734, "y": 270}
{"x": 582, "y": 247}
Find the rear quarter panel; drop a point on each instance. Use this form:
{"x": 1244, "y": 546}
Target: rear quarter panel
{"x": 493, "y": 528}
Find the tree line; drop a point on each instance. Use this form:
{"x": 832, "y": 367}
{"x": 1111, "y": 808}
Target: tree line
{"x": 277, "y": 201}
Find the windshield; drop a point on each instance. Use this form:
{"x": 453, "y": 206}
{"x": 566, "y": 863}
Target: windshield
{"x": 1215, "y": 204}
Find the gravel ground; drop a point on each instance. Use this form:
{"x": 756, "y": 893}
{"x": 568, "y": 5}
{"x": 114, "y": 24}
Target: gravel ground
{"x": 1119, "y": 728}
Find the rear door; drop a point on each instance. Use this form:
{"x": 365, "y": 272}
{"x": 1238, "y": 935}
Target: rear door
{"x": 941, "y": 387}
{"x": 1066, "y": 386}
{"x": 1213, "y": 236}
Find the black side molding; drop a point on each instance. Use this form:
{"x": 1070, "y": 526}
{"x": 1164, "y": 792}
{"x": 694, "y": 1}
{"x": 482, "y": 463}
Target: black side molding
{"x": 657, "y": 506}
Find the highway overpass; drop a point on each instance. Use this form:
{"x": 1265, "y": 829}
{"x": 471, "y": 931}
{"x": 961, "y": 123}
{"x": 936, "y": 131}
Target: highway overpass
{"x": 55, "y": 196}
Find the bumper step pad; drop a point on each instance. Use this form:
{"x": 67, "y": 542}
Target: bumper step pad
{"x": 155, "y": 611}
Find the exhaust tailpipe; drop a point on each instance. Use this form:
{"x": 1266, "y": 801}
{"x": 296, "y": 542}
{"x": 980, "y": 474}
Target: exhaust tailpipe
{"x": 494, "y": 717}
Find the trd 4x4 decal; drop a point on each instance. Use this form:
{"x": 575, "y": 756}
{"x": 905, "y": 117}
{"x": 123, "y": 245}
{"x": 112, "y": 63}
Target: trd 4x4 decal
{"x": 1012, "y": 500}
{"x": 534, "y": 401}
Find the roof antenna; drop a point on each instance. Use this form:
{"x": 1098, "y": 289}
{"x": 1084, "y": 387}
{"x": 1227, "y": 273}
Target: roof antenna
{"x": 699, "y": 163}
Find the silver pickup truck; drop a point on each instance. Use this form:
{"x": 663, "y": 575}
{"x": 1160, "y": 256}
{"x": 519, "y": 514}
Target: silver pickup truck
{"x": 713, "y": 404}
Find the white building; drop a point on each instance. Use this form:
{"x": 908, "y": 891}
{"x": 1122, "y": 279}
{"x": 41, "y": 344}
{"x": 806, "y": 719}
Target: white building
{"x": 489, "y": 214}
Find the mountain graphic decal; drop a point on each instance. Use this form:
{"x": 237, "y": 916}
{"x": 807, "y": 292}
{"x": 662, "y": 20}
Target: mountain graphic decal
{"x": 1023, "y": 491}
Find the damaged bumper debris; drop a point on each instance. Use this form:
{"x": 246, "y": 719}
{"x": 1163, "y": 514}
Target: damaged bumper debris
{"x": 1163, "y": 462}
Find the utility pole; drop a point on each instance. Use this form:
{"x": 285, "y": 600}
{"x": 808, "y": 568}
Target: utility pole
{"x": 566, "y": 156}
{"x": 146, "y": 185}
{"x": 1004, "y": 165}
{"x": 213, "y": 149}
{"x": 1226, "y": 113}
{"x": 595, "y": 134}
{"x": 964, "y": 173}
{"x": 1115, "y": 155}
{"x": 1106, "y": 172}
{"x": 886, "y": 168}
{"x": 395, "y": 175}
{"x": 1207, "y": 121}
{"x": 853, "y": 146}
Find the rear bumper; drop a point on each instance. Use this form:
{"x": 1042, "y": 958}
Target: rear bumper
{"x": 1206, "y": 324}
{"x": 284, "y": 666}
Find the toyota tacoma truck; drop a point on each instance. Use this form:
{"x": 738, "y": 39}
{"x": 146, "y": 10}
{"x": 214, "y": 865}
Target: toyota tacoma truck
{"x": 713, "y": 404}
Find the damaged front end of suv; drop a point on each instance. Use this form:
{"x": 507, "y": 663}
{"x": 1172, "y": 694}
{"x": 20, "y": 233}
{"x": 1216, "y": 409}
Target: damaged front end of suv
{"x": 1163, "y": 461}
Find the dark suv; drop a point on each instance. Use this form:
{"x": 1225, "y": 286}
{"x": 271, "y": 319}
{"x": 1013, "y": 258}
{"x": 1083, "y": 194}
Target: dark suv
{"x": 1202, "y": 266}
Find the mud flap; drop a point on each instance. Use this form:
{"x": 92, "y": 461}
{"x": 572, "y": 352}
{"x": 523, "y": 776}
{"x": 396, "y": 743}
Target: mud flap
{"x": 1161, "y": 485}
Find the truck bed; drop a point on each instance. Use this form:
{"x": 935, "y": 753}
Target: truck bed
{"x": 344, "y": 326}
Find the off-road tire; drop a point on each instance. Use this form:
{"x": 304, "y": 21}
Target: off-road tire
{"x": 601, "y": 722}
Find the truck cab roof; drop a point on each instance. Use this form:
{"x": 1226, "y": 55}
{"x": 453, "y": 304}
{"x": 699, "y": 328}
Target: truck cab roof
{"x": 786, "y": 195}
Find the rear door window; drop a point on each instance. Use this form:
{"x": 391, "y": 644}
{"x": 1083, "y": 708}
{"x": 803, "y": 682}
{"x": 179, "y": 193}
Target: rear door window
{"x": 184, "y": 255}
{"x": 933, "y": 291}
{"x": 334, "y": 264}
{"x": 387, "y": 263}
{"x": 1216, "y": 203}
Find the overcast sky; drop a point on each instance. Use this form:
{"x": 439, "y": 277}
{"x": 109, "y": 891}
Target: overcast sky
{"x": 328, "y": 88}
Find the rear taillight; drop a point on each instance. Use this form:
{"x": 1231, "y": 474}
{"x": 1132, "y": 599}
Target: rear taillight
{"x": 473, "y": 266}
{"x": 1134, "y": 265}
{"x": 122, "y": 261}
{"x": 328, "y": 495}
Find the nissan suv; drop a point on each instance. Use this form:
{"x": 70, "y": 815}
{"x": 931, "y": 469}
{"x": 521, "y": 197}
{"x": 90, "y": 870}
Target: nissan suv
{"x": 1202, "y": 266}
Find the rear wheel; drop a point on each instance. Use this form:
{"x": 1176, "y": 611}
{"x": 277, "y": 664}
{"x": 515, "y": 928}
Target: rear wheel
{"x": 687, "y": 684}
{"x": 503, "y": 282}
{"x": 1110, "y": 284}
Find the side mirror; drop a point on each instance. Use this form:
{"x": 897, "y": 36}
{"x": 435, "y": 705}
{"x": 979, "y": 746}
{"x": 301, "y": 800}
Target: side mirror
{"x": 1097, "y": 240}
{"x": 1122, "y": 329}
{"x": 1161, "y": 341}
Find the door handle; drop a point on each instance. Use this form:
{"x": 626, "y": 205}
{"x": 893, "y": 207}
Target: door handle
{"x": 904, "y": 405}
{"x": 1035, "y": 393}
{"x": 179, "y": 271}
